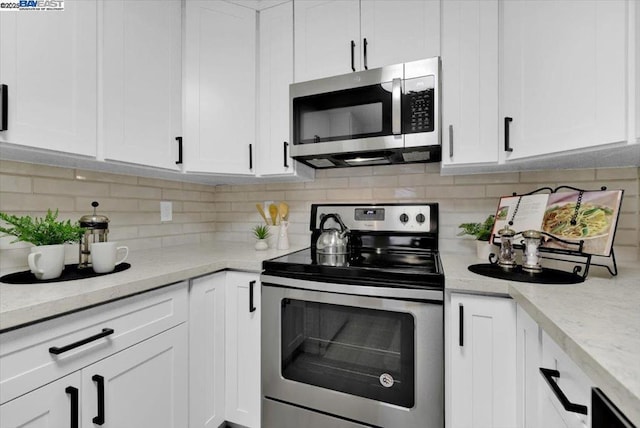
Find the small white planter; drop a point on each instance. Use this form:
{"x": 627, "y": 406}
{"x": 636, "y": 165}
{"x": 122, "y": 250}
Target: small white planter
{"x": 261, "y": 245}
{"x": 483, "y": 249}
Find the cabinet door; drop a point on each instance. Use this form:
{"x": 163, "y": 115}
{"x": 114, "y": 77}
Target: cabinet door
{"x": 220, "y": 88}
{"x": 53, "y": 405}
{"x": 48, "y": 61}
{"x": 206, "y": 351}
{"x": 572, "y": 381}
{"x": 528, "y": 357}
{"x": 276, "y": 73}
{"x": 144, "y": 386}
{"x": 324, "y": 31}
{"x": 470, "y": 82}
{"x": 142, "y": 81}
{"x": 398, "y": 31}
{"x": 482, "y": 362}
{"x": 564, "y": 75}
{"x": 242, "y": 349}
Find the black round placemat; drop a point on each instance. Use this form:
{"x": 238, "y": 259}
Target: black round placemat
{"x": 70, "y": 273}
{"x": 547, "y": 276}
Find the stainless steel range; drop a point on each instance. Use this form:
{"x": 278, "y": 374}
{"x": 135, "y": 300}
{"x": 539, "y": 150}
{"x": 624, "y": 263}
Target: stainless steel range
{"x": 352, "y": 327}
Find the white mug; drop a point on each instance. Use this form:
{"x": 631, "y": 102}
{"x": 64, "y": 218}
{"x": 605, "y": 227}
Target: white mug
{"x": 46, "y": 261}
{"x": 103, "y": 256}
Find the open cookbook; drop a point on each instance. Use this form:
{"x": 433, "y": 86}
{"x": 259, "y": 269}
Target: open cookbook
{"x": 594, "y": 214}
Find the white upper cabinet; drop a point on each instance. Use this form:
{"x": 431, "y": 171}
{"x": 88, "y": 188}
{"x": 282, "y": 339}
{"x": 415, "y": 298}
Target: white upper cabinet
{"x": 48, "y": 62}
{"x": 220, "y": 88}
{"x": 399, "y": 31}
{"x": 564, "y": 75}
{"x": 276, "y": 73}
{"x": 324, "y": 33}
{"x": 469, "y": 82}
{"x": 330, "y": 35}
{"x": 142, "y": 81}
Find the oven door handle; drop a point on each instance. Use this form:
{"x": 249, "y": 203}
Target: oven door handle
{"x": 396, "y": 106}
{"x": 422, "y": 294}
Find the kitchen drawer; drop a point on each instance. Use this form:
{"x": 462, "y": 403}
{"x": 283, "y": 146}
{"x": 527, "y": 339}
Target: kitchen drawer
{"x": 26, "y": 362}
{"x": 573, "y": 382}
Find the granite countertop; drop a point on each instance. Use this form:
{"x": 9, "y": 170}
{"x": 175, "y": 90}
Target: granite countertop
{"x": 597, "y": 323}
{"x": 22, "y": 304}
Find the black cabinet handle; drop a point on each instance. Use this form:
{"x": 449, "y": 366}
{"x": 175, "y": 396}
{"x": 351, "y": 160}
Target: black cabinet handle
{"x": 353, "y": 48}
{"x": 73, "y": 392}
{"x": 548, "y": 375}
{"x": 99, "y": 380}
{"x": 365, "y": 43}
{"x": 251, "y": 307}
{"x": 507, "y": 121}
{"x": 286, "y": 146}
{"x": 250, "y": 156}
{"x": 461, "y": 326}
{"x": 4, "y": 107}
{"x": 179, "y": 140}
{"x": 59, "y": 350}
{"x": 450, "y": 141}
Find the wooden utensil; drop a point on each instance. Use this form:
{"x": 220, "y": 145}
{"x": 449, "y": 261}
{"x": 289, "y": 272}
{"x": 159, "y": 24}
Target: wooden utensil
{"x": 273, "y": 213}
{"x": 262, "y": 214}
{"x": 283, "y": 210}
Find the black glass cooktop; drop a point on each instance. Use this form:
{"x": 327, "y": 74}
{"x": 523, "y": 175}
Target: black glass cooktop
{"x": 371, "y": 267}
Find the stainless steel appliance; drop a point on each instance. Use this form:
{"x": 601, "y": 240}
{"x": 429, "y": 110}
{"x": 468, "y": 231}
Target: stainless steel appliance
{"x": 357, "y": 342}
{"x": 382, "y": 116}
{"x": 604, "y": 414}
{"x": 96, "y": 229}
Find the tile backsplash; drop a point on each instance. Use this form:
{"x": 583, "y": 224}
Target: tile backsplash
{"x": 228, "y": 212}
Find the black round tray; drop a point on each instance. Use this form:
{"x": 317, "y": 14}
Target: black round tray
{"x": 547, "y": 276}
{"x": 70, "y": 273}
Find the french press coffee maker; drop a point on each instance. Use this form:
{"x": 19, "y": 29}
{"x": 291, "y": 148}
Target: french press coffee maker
{"x": 96, "y": 229}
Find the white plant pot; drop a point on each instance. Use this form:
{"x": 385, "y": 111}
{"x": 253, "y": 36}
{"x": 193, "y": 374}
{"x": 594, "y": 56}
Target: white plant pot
{"x": 47, "y": 261}
{"x": 261, "y": 244}
{"x": 483, "y": 249}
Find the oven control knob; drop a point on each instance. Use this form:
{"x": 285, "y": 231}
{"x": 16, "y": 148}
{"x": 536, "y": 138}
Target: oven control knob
{"x": 404, "y": 218}
{"x": 420, "y": 218}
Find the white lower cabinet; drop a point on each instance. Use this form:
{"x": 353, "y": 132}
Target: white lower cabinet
{"x": 482, "y": 356}
{"x": 528, "y": 356}
{"x": 242, "y": 349}
{"x": 572, "y": 382}
{"x": 133, "y": 373}
{"x": 206, "y": 351}
{"x": 225, "y": 350}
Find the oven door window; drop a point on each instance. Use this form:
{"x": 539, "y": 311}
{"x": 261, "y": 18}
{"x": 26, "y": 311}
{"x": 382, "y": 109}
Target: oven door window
{"x": 343, "y": 115}
{"x": 358, "y": 351}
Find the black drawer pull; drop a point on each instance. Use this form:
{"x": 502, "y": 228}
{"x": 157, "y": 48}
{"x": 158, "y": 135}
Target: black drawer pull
{"x": 251, "y": 307}
{"x": 4, "y": 107}
{"x": 548, "y": 375}
{"x": 99, "y": 380}
{"x": 179, "y": 140}
{"x": 73, "y": 392}
{"x": 57, "y": 351}
{"x": 461, "y": 326}
{"x": 286, "y": 146}
{"x": 507, "y": 144}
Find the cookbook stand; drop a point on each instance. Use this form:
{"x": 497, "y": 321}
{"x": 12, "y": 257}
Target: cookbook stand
{"x": 572, "y": 254}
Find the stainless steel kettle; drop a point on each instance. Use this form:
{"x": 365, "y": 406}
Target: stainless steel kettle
{"x": 333, "y": 241}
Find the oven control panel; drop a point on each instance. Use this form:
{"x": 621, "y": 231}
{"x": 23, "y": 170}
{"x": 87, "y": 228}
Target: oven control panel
{"x": 381, "y": 217}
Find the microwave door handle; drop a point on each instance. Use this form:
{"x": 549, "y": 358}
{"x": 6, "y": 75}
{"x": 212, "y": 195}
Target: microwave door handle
{"x": 396, "y": 111}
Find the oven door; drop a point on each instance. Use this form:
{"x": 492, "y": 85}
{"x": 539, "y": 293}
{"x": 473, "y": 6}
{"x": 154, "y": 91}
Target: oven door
{"x": 372, "y": 359}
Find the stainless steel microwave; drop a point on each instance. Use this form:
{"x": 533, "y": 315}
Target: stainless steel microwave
{"x": 387, "y": 115}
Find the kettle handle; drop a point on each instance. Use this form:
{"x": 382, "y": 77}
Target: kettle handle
{"x": 337, "y": 218}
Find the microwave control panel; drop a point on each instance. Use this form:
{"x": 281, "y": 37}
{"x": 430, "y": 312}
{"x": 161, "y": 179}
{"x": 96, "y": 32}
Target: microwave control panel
{"x": 418, "y": 105}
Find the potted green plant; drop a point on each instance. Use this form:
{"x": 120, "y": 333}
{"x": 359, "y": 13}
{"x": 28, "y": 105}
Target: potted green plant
{"x": 482, "y": 233}
{"x": 261, "y": 232}
{"x": 48, "y": 235}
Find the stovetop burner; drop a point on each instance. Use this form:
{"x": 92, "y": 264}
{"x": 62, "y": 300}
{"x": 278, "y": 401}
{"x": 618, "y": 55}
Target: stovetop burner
{"x": 391, "y": 248}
